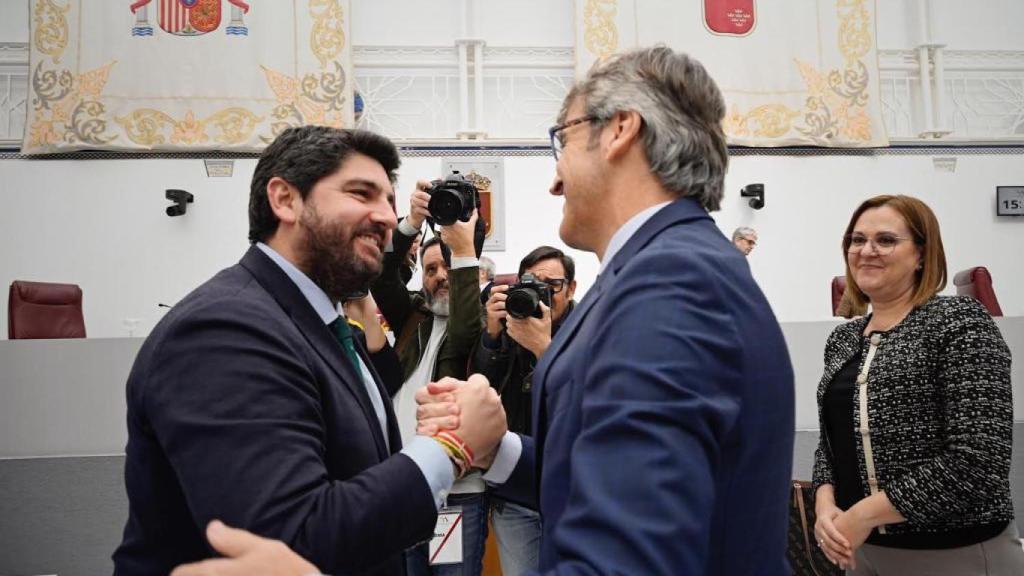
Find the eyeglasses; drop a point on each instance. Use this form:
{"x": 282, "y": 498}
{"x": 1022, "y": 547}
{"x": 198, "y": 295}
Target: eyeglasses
{"x": 883, "y": 244}
{"x": 750, "y": 241}
{"x": 555, "y": 284}
{"x": 556, "y": 138}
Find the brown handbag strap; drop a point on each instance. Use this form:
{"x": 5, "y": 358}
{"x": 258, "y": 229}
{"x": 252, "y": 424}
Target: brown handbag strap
{"x": 798, "y": 496}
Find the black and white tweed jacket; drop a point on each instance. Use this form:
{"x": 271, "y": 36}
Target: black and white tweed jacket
{"x": 940, "y": 415}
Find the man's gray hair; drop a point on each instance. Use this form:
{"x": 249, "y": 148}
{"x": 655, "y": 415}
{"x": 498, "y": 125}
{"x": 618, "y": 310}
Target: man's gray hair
{"x": 487, "y": 265}
{"x": 743, "y": 232}
{"x": 682, "y": 110}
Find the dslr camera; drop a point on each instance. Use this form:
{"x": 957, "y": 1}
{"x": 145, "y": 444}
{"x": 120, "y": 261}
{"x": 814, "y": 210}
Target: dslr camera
{"x": 523, "y": 299}
{"x": 452, "y": 199}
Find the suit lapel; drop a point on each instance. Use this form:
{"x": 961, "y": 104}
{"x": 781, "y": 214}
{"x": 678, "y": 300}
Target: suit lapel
{"x": 562, "y": 340}
{"x": 319, "y": 336}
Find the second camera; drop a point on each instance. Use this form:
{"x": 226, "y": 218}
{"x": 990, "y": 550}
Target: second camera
{"x": 524, "y": 298}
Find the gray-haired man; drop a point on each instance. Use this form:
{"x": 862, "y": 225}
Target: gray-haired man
{"x": 745, "y": 238}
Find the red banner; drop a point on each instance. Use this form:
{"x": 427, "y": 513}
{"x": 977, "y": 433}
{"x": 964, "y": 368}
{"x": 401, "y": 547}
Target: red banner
{"x": 734, "y": 17}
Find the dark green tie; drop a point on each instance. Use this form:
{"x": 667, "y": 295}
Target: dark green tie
{"x": 343, "y": 333}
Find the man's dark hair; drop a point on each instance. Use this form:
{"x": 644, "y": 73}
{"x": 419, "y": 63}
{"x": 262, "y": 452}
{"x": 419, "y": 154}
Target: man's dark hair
{"x": 545, "y": 253}
{"x": 427, "y": 244}
{"x": 303, "y": 156}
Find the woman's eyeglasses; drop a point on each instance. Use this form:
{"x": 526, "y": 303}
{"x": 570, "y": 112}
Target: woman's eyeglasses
{"x": 882, "y": 244}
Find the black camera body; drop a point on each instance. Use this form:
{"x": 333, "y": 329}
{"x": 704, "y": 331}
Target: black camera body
{"x": 523, "y": 299}
{"x": 452, "y": 199}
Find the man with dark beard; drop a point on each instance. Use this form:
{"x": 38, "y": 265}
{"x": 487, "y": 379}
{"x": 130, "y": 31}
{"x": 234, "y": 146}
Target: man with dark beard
{"x": 252, "y": 401}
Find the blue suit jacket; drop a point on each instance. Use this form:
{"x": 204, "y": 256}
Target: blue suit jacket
{"x": 242, "y": 407}
{"x": 663, "y": 415}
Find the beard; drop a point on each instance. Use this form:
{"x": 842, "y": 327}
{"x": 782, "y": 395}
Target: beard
{"x": 438, "y": 305}
{"x": 330, "y": 258}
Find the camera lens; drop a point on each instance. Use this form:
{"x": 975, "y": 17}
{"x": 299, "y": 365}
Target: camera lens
{"x": 522, "y": 302}
{"x": 445, "y": 206}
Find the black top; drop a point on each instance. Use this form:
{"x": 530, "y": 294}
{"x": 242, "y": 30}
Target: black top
{"x": 837, "y": 408}
{"x": 841, "y": 429}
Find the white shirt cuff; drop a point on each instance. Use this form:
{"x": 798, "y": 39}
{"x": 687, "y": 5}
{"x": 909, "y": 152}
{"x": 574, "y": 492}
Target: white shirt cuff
{"x": 405, "y": 228}
{"x": 435, "y": 465}
{"x": 509, "y": 451}
{"x": 464, "y": 262}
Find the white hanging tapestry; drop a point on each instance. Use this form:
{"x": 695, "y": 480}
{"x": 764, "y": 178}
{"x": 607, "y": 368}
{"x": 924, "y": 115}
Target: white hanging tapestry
{"x": 793, "y": 72}
{"x": 184, "y": 74}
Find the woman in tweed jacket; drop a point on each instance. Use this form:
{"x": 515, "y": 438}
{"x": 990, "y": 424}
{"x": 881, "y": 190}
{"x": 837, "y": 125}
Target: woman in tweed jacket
{"x": 913, "y": 462}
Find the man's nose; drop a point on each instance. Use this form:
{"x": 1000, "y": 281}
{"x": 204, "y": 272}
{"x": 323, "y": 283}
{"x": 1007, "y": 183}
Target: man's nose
{"x": 384, "y": 213}
{"x": 556, "y": 186}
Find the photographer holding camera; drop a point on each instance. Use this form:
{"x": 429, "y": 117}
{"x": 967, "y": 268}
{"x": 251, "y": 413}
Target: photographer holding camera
{"x": 521, "y": 320}
{"x": 435, "y": 331}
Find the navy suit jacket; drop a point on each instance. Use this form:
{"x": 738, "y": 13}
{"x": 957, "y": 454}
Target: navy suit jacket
{"x": 242, "y": 407}
{"x": 663, "y": 415}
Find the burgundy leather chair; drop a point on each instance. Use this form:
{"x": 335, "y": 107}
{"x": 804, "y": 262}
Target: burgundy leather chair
{"x": 977, "y": 282}
{"x": 838, "y": 287}
{"x": 44, "y": 310}
{"x": 505, "y": 279}
{"x": 499, "y": 280}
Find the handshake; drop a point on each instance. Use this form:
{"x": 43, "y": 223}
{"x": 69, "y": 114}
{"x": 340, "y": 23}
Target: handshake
{"x": 466, "y": 417}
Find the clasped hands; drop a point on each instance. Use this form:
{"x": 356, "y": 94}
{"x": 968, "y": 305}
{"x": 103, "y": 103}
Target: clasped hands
{"x": 471, "y": 409}
{"x": 840, "y": 533}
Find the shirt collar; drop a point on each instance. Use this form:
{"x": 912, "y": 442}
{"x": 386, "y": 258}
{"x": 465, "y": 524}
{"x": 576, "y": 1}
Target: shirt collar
{"x": 626, "y": 231}
{"x": 316, "y": 297}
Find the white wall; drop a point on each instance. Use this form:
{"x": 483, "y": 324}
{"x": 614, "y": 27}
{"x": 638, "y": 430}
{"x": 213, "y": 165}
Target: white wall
{"x": 13, "y": 20}
{"x": 979, "y": 25}
{"x": 101, "y": 224}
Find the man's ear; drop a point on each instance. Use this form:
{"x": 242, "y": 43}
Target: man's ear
{"x": 285, "y": 200}
{"x": 570, "y": 290}
{"x": 621, "y": 132}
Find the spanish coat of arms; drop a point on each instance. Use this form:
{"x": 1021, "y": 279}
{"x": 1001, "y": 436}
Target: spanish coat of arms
{"x": 188, "y": 17}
